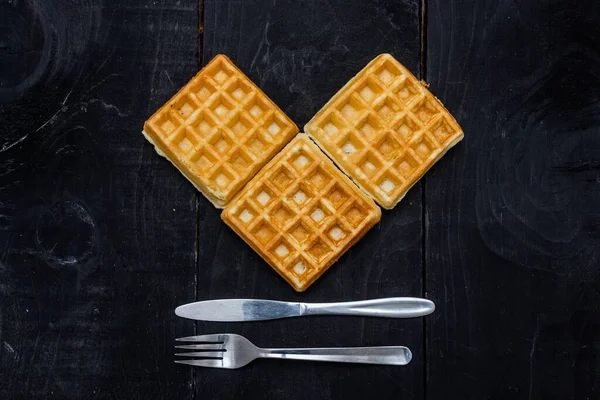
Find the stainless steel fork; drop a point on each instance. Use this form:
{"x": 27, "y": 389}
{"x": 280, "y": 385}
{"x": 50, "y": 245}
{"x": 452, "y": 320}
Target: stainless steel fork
{"x": 234, "y": 351}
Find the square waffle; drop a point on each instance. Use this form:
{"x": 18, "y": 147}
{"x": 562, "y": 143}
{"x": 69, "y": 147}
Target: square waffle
{"x": 384, "y": 129}
{"x": 219, "y": 130}
{"x": 301, "y": 213}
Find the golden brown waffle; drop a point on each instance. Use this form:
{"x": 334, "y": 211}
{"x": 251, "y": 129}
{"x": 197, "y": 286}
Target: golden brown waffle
{"x": 300, "y": 213}
{"x": 219, "y": 130}
{"x": 384, "y": 129}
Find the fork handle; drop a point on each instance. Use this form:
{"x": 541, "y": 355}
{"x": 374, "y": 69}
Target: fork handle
{"x": 383, "y": 355}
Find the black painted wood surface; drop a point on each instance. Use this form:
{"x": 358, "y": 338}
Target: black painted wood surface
{"x": 97, "y": 237}
{"x": 513, "y": 215}
{"x": 100, "y": 238}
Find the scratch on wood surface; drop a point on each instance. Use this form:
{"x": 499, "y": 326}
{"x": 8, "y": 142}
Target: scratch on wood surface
{"x": 534, "y": 340}
{"x": 169, "y": 77}
{"x": 200, "y": 31}
{"x": 9, "y": 348}
{"x": 13, "y": 144}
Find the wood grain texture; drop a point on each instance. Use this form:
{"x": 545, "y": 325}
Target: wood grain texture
{"x": 300, "y": 54}
{"x": 100, "y": 238}
{"x": 97, "y": 233}
{"x": 513, "y": 225}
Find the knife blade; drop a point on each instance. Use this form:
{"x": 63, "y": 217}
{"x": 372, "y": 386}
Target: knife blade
{"x": 239, "y": 310}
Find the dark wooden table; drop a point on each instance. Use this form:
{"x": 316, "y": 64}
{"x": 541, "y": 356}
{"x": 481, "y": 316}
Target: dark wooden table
{"x": 100, "y": 238}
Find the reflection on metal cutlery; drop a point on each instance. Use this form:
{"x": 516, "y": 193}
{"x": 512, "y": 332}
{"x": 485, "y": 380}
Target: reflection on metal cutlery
{"x": 232, "y": 310}
{"x": 234, "y": 351}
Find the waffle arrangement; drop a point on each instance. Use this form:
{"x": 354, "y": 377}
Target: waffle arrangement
{"x": 294, "y": 207}
{"x": 384, "y": 129}
{"x": 300, "y": 213}
{"x": 219, "y": 130}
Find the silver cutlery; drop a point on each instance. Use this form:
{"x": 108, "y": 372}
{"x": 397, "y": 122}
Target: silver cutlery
{"x": 232, "y": 310}
{"x": 234, "y": 351}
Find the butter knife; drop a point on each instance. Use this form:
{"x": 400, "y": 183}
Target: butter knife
{"x": 237, "y": 310}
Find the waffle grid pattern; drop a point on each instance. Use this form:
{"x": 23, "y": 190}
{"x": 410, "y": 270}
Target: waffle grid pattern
{"x": 385, "y": 130}
{"x": 300, "y": 213}
{"x": 220, "y": 129}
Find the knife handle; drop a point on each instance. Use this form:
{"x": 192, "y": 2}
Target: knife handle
{"x": 393, "y": 307}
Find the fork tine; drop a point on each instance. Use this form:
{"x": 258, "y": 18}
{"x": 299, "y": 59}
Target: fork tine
{"x": 202, "y": 363}
{"x": 201, "y": 338}
{"x": 205, "y": 346}
{"x": 203, "y": 354}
